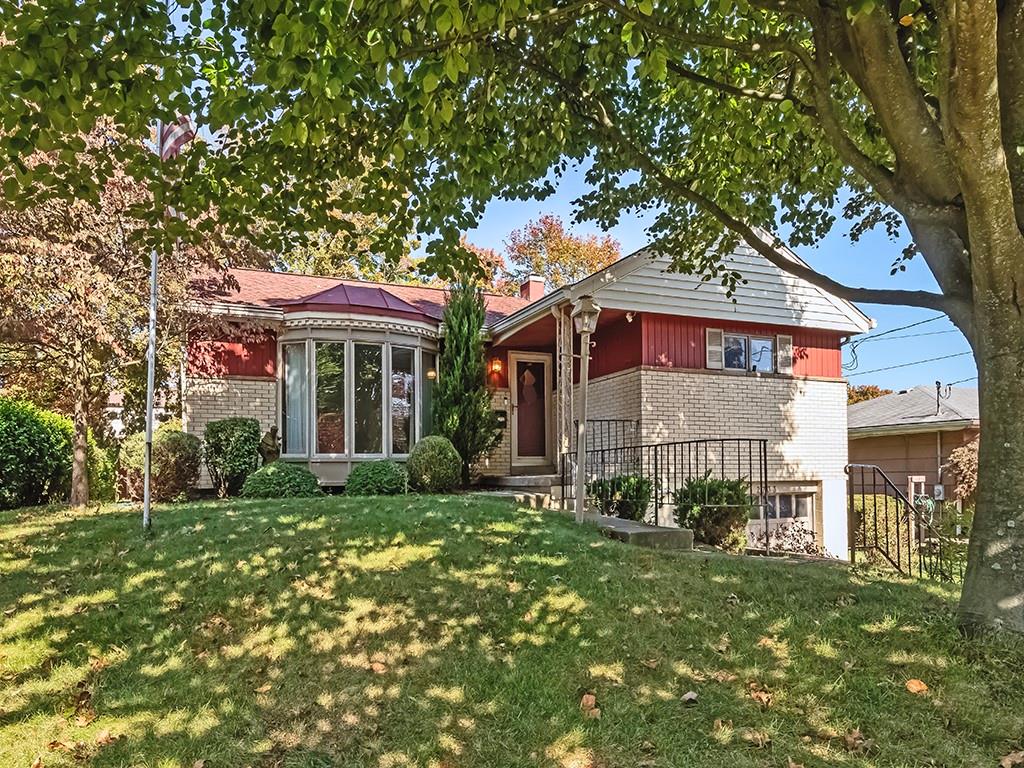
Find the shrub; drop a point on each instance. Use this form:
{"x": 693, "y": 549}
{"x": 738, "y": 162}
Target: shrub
{"x": 625, "y": 496}
{"x": 35, "y": 454}
{"x": 102, "y": 469}
{"x": 716, "y": 510}
{"x": 232, "y": 452}
{"x": 177, "y": 457}
{"x": 377, "y": 478}
{"x": 281, "y": 480}
{"x": 434, "y": 465}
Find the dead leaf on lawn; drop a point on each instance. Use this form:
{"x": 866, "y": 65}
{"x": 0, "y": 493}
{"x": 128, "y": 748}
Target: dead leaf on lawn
{"x": 856, "y": 743}
{"x": 791, "y": 764}
{"x": 755, "y": 738}
{"x": 37, "y": 763}
{"x": 588, "y": 701}
{"x": 105, "y": 738}
{"x": 689, "y": 698}
{"x": 378, "y": 667}
{"x": 722, "y": 676}
{"x": 1012, "y": 759}
{"x": 85, "y": 717}
{"x": 264, "y": 688}
{"x": 199, "y": 764}
{"x": 723, "y": 644}
{"x": 917, "y": 687}
{"x": 650, "y": 663}
{"x": 760, "y": 694}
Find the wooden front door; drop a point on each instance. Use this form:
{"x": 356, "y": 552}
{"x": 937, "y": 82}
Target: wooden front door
{"x": 531, "y": 406}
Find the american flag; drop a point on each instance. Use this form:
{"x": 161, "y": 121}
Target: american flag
{"x": 174, "y": 136}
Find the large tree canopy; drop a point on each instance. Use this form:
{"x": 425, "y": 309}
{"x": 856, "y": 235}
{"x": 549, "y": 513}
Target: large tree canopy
{"x": 733, "y": 117}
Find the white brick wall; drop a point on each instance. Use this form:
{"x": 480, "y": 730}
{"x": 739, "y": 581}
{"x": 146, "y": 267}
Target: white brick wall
{"x": 209, "y": 400}
{"x": 803, "y": 420}
{"x": 496, "y": 463}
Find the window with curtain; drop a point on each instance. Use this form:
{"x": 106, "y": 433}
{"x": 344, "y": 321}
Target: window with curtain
{"x": 294, "y": 399}
{"x": 330, "y": 397}
{"x": 403, "y": 391}
{"x": 368, "y": 405}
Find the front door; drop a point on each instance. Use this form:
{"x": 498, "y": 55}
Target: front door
{"x": 531, "y": 403}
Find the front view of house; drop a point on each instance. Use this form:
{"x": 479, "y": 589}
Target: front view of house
{"x": 683, "y": 379}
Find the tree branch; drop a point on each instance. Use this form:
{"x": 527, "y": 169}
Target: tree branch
{"x": 749, "y": 93}
{"x": 600, "y": 117}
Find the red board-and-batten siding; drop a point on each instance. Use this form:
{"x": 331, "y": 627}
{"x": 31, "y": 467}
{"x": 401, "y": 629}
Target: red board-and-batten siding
{"x": 219, "y": 358}
{"x": 669, "y": 341}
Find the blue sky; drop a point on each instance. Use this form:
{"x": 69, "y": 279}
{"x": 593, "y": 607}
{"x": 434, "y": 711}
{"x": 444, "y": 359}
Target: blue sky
{"x": 865, "y": 263}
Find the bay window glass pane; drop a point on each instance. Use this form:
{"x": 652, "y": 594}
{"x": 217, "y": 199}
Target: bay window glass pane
{"x": 735, "y": 352}
{"x": 762, "y": 355}
{"x": 294, "y": 399}
{"x": 368, "y": 408}
{"x": 803, "y": 504}
{"x": 429, "y": 377}
{"x": 403, "y": 386}
{"x": 330, "y": 398}
{"x": 785, "y": 505}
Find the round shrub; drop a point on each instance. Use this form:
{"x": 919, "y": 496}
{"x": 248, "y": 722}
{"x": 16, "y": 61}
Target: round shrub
{"x": 177, "y": 457}
{"x": 232, "y": 452}
{"x": 716, "y": 510}
{"x": 377, "y": 478}
{"x": 35, "y": 454}
{"x": 281, "y": 480}
{"x": 434, "y": 465}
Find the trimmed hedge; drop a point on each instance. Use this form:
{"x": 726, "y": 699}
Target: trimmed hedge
{"x": 177, "y": 458}
{"x": 377, "y": 478}
{"x": 434, "y": 465}
{"x": 232, "y": 453}
{"x": 35, "y": 454}
{"x": 281, "y": 480}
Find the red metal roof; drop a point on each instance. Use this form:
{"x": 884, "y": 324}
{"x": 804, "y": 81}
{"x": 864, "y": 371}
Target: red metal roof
{"x": 291, "y": 292}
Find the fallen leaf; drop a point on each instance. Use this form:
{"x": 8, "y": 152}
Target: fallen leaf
{"x": 378, "y": 667}
{"x": 264, "y": 688}
{"x": 594, "y": 714}
{"x": 650, "y": 663}
{"x": 791, "y": 764}
{"x": 689, "y": 698}
{"x": 105, "y": 738}
{"x": 1012, "y": 759}
{"x": 917, "y": 687}
{"x": 199, "y": 764}
{"x": 723, "y": 644}
{"x": 756, "y": 738}
{"x": 761, "y": 695}
{"x": 37, "y": 763}
{"x": 907, "y": 20}
{"x": 588, "y": 701}
{"x": 856, "y": 743}
{"x": 722, "y": 676}
{"x": 85, "y": 717}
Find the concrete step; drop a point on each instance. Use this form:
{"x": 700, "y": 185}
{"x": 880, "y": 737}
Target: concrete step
{"x": 525, "y": 481}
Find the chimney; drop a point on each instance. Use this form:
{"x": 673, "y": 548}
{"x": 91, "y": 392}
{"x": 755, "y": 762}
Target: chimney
{"x": 532, "y": 288}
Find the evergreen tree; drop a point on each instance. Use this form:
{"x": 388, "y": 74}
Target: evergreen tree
{"x": 462, "y": 403}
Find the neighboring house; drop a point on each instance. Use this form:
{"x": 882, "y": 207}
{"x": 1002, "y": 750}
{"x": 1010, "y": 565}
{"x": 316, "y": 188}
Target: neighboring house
{"x": 910, "y": 435}
{"x": 674, "y": 359}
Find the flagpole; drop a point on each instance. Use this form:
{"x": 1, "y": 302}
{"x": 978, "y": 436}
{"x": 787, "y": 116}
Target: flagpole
{"x": 147, "y": 471}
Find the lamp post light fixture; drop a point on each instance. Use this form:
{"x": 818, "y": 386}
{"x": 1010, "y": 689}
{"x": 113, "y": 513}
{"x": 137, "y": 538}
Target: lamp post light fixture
{"x": 584, "y": 317}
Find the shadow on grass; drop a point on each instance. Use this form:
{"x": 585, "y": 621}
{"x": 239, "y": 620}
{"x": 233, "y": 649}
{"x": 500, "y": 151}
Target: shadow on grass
{"x": 435, "y": 631}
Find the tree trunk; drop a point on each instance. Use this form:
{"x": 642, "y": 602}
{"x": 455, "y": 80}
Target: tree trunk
{"x": 79, "y": 464}
{"x": 993, "y": 592}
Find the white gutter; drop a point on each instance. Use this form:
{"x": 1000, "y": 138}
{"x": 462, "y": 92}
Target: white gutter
{"x": 855, "y": 433}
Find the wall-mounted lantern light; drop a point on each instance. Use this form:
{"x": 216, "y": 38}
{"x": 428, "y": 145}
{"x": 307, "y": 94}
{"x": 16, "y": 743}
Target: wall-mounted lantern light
{"x": 496, "y": 365}
{"x": 431, "y": 374}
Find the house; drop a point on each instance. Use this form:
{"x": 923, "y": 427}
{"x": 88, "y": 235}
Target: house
{"x": 684, "y": 381}
{"x": 910, "y": 435}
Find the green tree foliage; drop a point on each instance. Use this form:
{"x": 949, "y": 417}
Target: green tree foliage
{"x": 728, "y": 121}
{"x": 858, "y": 393}
{"x": 177, "y": 459}
{"x": 462, "y": 403}
{"x": 231, "y": 449}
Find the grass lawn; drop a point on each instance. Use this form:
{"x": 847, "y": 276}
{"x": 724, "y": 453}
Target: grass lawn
{"x": 451, "y": 632}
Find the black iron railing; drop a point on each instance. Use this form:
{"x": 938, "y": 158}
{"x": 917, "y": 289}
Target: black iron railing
{"x": 886, "y": 528}
{"x": 609, "y": 433}
{"x": 664, "y": 468}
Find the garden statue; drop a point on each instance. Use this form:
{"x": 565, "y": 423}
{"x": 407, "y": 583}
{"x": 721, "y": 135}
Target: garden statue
{"x": 270, "y": 447}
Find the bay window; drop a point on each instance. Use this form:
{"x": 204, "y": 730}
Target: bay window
{"x": 358, "y": 398}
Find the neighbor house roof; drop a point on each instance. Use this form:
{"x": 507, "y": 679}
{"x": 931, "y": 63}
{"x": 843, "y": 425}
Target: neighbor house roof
{"x": 914, "y": 410}
{"x": 289, "y": 292}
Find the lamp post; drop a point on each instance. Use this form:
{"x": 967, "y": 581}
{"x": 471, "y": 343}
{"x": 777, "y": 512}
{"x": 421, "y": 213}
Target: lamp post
{"x": 584, "y": 317}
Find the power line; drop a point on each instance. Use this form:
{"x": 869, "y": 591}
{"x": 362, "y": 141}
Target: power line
{"x": 907, "y": 336}
{"x": 932, "y": 319}
{"x": 906, "y": 365}
{"x": 954, "y": 383}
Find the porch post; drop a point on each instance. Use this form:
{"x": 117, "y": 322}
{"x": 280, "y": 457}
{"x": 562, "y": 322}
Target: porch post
{"x": 584, "y": 315}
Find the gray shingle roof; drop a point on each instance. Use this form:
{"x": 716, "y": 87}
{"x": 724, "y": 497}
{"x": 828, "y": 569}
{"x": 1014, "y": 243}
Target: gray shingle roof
{"x": 914, "y": 407}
